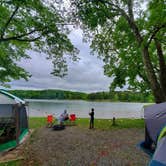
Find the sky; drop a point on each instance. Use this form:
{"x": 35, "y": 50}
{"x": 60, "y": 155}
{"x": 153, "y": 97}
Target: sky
{"x": 85, "y": 75}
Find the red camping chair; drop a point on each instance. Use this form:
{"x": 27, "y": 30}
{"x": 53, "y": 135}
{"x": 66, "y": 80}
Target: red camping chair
{"x": 72, "y": 118}
{"x": 50, "y": 120}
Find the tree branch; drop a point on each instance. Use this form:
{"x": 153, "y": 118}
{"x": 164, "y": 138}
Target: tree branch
{"x": 116, "y": 7}
{"x": 28, "y": 40}
{"x": 143, "y": 77}
{"x": 129, "y": 19}
{"x": 130, "y": 9}
{"x": 162, "y": 64}
{"x": 18, "y": 37}
{"x": 155, "y": 32}
{"x": 8, "y": 22}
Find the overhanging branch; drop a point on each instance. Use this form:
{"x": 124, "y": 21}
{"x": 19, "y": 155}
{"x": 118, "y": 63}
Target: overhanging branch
{"x": 8, "y": 22}
{"x": 129, "y": 18}
{"x": 24, "y": 36}
{"x": 28, "y": 40}
{"x": 130, "y": 9}
{"x": 18, "y": 36}
{"x": 155, "y": 32}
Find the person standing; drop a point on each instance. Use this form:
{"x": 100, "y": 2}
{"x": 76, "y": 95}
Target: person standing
{"x": 91, "y": 125}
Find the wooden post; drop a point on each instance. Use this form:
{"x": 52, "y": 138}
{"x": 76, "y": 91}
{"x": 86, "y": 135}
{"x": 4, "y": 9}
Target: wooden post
{"x": 113, "y": 122}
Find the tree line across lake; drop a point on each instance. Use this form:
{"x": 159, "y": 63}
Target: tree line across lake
{"x": 125, "y": 96}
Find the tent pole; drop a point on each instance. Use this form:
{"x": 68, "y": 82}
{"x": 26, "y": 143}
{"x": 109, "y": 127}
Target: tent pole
{"x": 17, "y": 124}
{"x": 27, "y": 112}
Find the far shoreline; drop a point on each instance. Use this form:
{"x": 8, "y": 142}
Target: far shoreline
{"x": 110, "y": 101}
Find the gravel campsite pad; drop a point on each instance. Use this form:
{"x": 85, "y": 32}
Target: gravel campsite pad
{"x": 76, "y": 146}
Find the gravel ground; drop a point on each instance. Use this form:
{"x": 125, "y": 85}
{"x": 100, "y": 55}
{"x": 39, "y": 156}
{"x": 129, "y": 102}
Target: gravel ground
{"x": 76, "y": 146}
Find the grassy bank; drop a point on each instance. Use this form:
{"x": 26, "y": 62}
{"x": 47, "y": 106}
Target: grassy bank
{"x": 105, "y": 124}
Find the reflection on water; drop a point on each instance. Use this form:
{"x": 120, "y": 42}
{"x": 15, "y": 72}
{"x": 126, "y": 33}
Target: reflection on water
{"x": 103, "y": 110}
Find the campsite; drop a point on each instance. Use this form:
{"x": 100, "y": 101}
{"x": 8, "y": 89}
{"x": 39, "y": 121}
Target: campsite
{"x": 109, "y": 143}
{"x": 82, "y": 82}
{"x": 77, "y": 145}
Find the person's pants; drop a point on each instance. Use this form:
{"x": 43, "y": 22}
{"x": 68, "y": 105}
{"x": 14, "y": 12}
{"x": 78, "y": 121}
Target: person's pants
{"x": 91, "y": 125}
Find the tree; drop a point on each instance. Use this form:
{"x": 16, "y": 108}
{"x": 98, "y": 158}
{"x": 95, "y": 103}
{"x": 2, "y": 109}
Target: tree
{"x": 32, "y": 25}
{"x": 129, "y": 35}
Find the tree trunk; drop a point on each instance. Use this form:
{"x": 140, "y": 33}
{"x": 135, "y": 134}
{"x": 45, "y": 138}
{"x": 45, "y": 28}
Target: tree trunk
{"x": 162, "y": 72}
{"x": 154, "y": 84}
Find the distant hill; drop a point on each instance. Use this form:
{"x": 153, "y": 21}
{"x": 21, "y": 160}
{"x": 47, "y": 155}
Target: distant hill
{"x": 125, "y": 96}
{"x": 49, "y": 94}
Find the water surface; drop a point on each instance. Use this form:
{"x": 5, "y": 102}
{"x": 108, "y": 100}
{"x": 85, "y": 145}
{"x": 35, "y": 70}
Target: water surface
{"x": 103, "y": 110}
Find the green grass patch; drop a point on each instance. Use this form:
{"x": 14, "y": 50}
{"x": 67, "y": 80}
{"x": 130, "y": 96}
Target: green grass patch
{"x": 11, "y": 163}
{"x": 106, "y": 124}
{"x": 37, "y": 122}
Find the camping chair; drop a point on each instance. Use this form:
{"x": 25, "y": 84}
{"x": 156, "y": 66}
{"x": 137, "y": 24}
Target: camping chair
{"x": 49, "y": 121}
{"x": 72, "y": 119}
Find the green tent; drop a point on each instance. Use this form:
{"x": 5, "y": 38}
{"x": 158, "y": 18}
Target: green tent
{"x": 13, "y": 121}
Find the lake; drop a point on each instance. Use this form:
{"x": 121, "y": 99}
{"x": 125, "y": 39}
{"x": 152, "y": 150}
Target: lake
{"x": 103, "y": 110}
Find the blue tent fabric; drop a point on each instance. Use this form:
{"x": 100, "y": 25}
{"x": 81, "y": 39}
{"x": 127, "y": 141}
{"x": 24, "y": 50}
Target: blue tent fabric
{"x": 155, "y": 119}
{"x": 150, "y": 152}
{"x": 159, "y": 157}
{"x": 156, "y": 163}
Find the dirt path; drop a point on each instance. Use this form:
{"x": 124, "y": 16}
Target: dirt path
{"x": 83, "y": 147}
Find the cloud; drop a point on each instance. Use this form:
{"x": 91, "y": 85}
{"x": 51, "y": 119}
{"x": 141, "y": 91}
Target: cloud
{"x": 85, "y": 75}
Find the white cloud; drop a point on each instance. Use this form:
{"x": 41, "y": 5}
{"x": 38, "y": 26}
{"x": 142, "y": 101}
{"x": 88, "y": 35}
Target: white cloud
{"x": 85, "y": 75}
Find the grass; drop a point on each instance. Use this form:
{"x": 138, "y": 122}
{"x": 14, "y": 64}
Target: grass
{"x": 11, "y": 163}
{"x": 36, "y": 122}
{"x": 105, "y": 124}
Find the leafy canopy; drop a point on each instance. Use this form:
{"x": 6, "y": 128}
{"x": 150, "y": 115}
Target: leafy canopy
{"x": 32, "y": 25}
{"x": 117, "y": 28}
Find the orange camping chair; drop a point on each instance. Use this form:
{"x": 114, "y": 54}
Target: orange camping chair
{"x": 72, "y": 118}
{"x": 50, "y": 120}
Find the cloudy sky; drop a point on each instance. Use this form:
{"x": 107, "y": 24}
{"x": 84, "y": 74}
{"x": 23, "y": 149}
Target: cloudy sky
{"x": 85, "y": 75}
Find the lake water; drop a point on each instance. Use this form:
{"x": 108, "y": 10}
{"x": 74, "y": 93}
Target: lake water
{"x": 103, "y": 110}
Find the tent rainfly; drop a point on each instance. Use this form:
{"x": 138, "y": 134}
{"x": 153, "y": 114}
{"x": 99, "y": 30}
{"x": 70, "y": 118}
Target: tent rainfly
{"x": 13, "y": 121}
{"x": 155, "y": 132}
